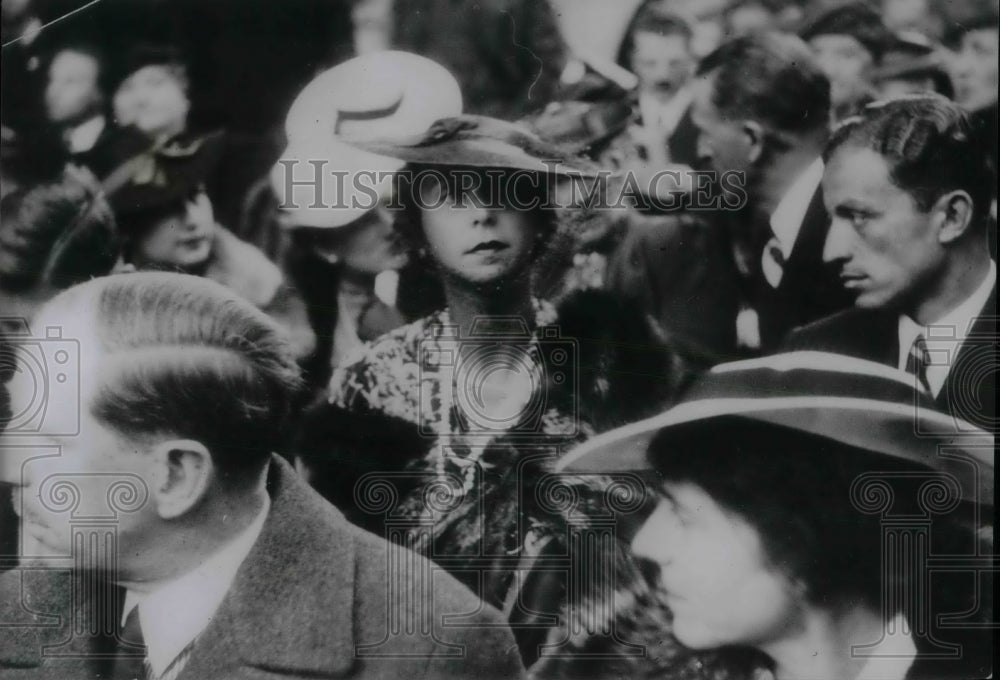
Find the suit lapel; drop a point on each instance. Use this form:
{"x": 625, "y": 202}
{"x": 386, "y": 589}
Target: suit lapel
{"x": 50, "y": 622}
{"x": 979, "y": 349}
{"x": 290, "y": 608}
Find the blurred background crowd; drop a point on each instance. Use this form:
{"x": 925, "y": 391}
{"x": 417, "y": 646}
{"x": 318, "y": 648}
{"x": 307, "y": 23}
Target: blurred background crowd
{"x": 146, "y": 136}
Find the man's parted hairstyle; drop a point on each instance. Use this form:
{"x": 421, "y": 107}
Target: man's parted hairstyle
{"x": 189, "y": 358}
{"x": 771, "y": 78}
{"x": 931, "y": 146}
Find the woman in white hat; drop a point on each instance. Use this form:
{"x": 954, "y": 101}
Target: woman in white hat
{"x": 324, "y": 204}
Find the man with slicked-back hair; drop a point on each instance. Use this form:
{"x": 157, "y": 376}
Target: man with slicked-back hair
{"x": 164, "y": 538}
{"x": 909, "y": 189}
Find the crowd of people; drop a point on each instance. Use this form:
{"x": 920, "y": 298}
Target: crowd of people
{"x": 496, "y": 357}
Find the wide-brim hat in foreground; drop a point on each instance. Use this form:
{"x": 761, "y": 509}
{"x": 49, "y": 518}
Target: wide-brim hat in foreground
{"x": 857, "y": 403}
{"x": 382, "y": 95}
{"x": 470, "y": 141}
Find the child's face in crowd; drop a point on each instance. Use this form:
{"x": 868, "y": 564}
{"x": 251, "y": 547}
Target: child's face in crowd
{"x": 847, "y": 63}
{"x": 478, "y": 243}
{"x": 182, "y": 239}
{"x": 72, "y": 92}
{"x": 719, "y": 582}
{"x": 157, "y": 100}
{"x": 662, "y": 63}
{"x": 975, "y": 69}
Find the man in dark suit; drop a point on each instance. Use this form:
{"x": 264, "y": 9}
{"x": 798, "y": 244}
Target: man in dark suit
{"x": 909, "y": 189}
{"x": 164, "y": 539}
{"x": 762, "y": 106}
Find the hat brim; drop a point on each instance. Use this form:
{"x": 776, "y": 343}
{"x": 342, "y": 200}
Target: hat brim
{"x": 479, "y": 153}
{"x": 909, "y": 432}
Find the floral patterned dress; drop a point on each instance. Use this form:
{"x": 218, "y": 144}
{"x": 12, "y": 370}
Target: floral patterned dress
{"x": 484, "y": 502}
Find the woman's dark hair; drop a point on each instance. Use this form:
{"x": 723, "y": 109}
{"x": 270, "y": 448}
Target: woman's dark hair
{"x": 527, "y": 189}
{"x": 812, "y": 501}
{"x": 69, "y": 214}
{"x": 930, "y": 145}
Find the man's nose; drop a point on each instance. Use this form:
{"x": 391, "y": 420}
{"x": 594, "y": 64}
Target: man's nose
{"x": 837, "y": 247}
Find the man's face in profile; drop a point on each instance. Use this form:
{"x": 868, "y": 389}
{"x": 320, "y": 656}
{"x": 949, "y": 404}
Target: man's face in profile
{"x": 885, "y": 247}
{"x": 722, "y": 144}
{"x": 80, "y": 486}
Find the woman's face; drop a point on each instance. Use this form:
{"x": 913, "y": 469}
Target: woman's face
{"x": 182, "y": 239}
{"x": 720, "y": 584}
{"x": 368, "y": 245}
{"x": 473, "y": 241}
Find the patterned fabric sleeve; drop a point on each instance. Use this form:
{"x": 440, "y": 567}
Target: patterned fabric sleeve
{"x": 382, "y": 376}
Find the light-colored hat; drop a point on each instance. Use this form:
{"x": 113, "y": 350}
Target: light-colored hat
{"x": 858, "y": 403}
{"x": 381, "y": 95}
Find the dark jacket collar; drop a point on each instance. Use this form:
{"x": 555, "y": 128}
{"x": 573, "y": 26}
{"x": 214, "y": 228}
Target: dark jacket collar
{"x": 291, "y": 606}
{"x": 290, "y": 609}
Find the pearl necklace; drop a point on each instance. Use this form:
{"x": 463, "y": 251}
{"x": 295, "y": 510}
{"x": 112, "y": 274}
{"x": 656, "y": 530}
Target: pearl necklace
{"x": 448, "y": 424}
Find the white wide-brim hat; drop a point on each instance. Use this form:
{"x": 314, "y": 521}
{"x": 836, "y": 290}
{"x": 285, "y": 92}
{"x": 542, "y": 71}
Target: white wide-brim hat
{"x": 321, "y": 181}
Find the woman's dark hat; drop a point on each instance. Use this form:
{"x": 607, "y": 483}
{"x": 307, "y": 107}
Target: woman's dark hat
{"x": 483, "y": 142}
{"x": 854, "y": 402}
{"x": 164, "y": 176}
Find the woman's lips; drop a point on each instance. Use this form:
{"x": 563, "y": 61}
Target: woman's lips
{"x": 487, "y": 247}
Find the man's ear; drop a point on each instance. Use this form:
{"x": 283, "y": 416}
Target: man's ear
{"x": 952, "y": 215}
{"x": 183, "y": 478}
{"x": 756, "y": 136}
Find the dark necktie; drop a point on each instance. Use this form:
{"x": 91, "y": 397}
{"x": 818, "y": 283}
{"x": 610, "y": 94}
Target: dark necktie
{"x": 917, "y": 361}
{"x": 130, "y": 655}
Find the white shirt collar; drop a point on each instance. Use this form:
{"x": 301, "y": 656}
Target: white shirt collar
{"x": 892, "y": 657}
{"x": 786, "y": 220}
{"x": 945, "y": 336}
{"x": 174, "y": 613}
{"x": 84, "y": 136}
